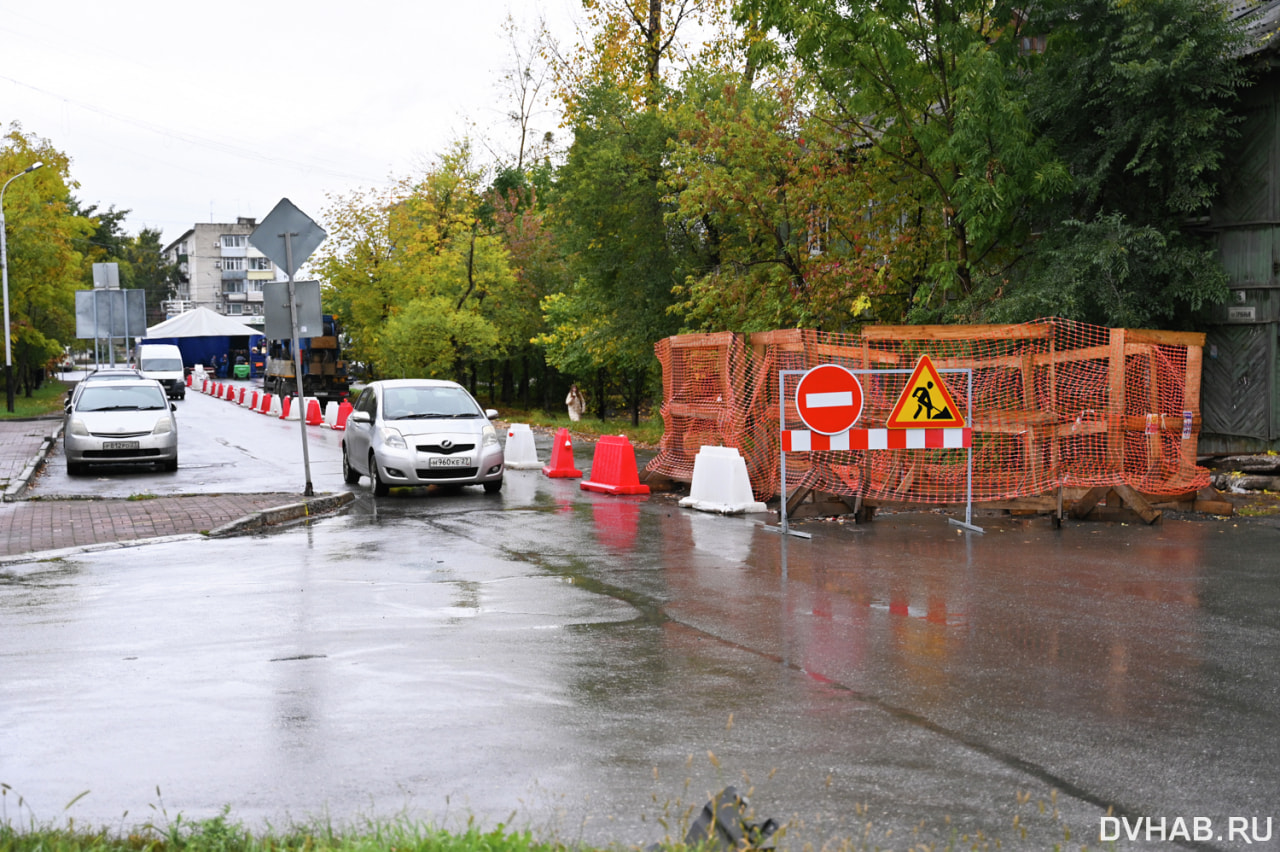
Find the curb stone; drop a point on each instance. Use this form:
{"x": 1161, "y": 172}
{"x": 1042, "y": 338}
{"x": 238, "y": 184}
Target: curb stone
{"x": 284, "y": 514}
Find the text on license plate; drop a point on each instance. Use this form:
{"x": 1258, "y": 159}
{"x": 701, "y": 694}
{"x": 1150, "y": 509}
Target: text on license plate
{"x": 449, "y": 461}
{"x": 119, "y": 445}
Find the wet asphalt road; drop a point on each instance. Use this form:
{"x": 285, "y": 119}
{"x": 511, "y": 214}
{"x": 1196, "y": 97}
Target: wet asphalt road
{"x": 593, "y": 666}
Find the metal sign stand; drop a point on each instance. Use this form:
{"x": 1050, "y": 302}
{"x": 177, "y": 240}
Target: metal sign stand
{"x": 784, "y": 529}
{"x": 287, "y": 223}
{"x": 288, "y": 236}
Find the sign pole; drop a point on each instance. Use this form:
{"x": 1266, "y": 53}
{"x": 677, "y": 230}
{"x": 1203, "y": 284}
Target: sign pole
{"x": 782, "y": 458}
{"x": 297, "y": 361}
{"x": 298, "y": 235}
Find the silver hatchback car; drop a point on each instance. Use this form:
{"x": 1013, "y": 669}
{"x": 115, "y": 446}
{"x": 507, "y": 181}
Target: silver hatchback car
{"x": 120, "y": 421}
{"x": 417, "y": 432}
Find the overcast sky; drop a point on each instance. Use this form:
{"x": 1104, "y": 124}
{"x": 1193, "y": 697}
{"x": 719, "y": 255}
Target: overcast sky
{"x": 186, "y": 112}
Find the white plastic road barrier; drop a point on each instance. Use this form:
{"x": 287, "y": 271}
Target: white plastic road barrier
{"x": 720, "y": 483}
{"x": 330, "y": 413}
{"x": 275, "y": 409}
{"x": 520, "y": 454}
{"x": 294, "y": 413}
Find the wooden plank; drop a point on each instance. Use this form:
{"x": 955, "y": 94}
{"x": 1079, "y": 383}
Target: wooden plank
{"x": 1167, "y": 423}
{"x": 858, "y": 355}
{"x": 786, "y": 338}
{"x": 797, "y": 497}
{"x": 958, "y": 332}
{"x": 710, "y": 340}
{"x": 1091, "y": 498}
{"x": 1164, "y": 338}
{"x": 1138, "y": 503}
{"x": 1214, "y": 507}
{"x": 698, "y": 411}
{"x": 1191, "y": 390}
{"x": 1115, "y": 402}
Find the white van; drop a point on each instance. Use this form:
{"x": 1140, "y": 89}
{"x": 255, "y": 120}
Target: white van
{"x": 163, "y": 362}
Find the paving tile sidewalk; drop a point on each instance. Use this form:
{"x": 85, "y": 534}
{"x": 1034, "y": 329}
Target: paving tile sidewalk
{"x": 33, "y": 526}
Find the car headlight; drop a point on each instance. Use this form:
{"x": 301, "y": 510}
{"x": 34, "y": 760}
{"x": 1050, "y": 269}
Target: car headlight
{"x": 163, "y": 426}
{"x": 393, "y": 439}
{"x": 490, "y": 435}
{"x": 77, "y": 427}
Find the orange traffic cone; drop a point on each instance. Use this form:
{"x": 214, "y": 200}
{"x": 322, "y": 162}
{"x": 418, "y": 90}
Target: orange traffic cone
{"x": 613, "y": 468}
{"x": 561, "y": 466}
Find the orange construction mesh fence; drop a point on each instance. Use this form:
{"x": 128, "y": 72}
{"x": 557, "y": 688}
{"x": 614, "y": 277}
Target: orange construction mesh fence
{"x": 1054, "y": 404}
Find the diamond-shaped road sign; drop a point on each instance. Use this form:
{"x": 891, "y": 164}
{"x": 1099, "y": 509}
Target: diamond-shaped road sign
{"x": 304, "y": 236}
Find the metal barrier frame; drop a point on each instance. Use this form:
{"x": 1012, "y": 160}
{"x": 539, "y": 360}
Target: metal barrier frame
{"x": 785, "y": 529}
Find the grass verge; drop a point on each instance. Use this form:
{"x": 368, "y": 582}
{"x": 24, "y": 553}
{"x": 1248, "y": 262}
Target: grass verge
{"x": 647, "y": 434}
{"x": 47, "y": 399}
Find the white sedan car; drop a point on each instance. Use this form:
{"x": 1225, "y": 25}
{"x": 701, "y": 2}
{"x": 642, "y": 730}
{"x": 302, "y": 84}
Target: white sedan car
{"x": 120, "y": 421}
{"x": 417, "y": 432}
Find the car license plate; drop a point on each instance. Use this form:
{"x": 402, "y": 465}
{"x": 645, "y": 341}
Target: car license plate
{"x": 449, "y": 461}
{"x": 119, "y": 445}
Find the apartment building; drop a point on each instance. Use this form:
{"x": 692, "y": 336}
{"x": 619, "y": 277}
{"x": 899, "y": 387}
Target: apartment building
{"x": 219, "y": 270}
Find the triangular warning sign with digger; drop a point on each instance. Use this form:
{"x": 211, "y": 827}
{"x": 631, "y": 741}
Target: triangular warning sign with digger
{"x": 925, "y": 401}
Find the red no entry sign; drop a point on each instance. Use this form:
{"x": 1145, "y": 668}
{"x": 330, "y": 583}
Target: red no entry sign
{"x": 829, "y": 399}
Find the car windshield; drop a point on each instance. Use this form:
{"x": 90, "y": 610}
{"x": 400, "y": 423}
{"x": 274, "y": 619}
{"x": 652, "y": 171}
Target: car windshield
{"x": 122, "y": 398}
{"x": 162, "y": 365}
{"x": 423, "y": 403}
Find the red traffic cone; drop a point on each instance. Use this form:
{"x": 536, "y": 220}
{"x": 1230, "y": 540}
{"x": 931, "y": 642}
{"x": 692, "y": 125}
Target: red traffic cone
{"x": 266, "y": 404}
{"x": 286, "y": 402}
{"x": 314, "y": 417}
{"x": 613, "y": 468}
{"x": 561, "y": 466}
{"x": 344, "y": 411}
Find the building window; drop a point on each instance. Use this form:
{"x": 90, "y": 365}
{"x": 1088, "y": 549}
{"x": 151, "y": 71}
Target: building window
{"x": 234, "y": 240}
{"x": 235, "y": 285}
{"x": 259, "y": 264}
{"x": 234, "y": 308}
{"x": 233, "y": 264}
{"x": 255, "y": 286}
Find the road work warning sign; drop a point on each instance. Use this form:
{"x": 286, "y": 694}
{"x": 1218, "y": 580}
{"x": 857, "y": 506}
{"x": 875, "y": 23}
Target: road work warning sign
{"x": 925, "y": 401}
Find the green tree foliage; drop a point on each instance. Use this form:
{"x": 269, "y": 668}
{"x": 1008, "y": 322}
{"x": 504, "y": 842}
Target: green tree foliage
{"x": 609, "y": 220}
{"x": 1138, "y": 98}
{"x": 934, "y": 92}
{"x": 417, "y": 281}
{"x": 45, "y": 268}
{"x": 139, "y": 259}
{"x": 149, "y": 271}
{"x": 792, "y": 223}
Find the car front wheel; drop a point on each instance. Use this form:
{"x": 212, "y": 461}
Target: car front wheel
{"x": 380, "y": 488}
{"x": 349, "y": 474}
{"x": 493, "y": 487}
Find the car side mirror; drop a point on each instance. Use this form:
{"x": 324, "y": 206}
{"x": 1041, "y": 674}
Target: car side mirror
{"x": 491, "y": 413}
{"x": 173, "y": 406}
{"x": 359, "y": 417}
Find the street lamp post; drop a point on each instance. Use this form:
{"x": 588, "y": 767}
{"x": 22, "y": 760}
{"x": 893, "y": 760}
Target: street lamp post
{"x": 4, "y": 273}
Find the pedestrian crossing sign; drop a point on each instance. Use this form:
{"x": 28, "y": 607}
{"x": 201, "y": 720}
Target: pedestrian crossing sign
{"x": 925, "y": 401}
